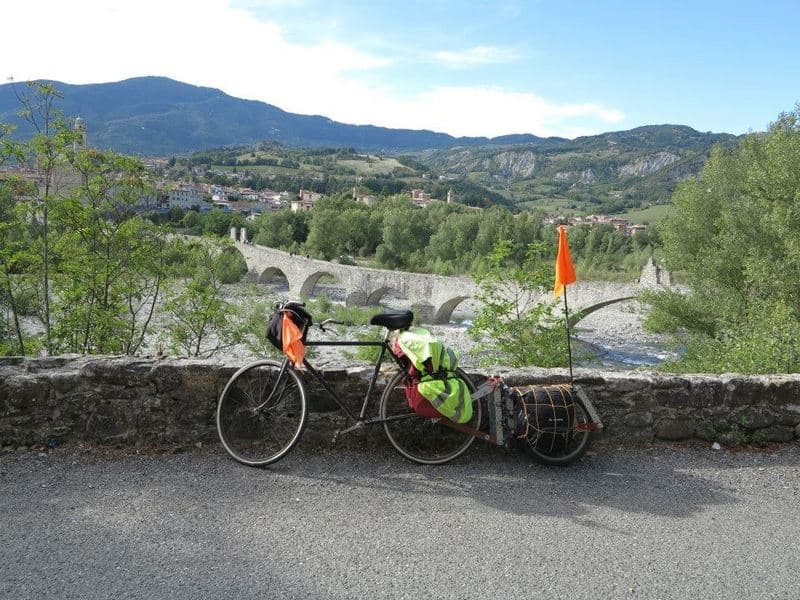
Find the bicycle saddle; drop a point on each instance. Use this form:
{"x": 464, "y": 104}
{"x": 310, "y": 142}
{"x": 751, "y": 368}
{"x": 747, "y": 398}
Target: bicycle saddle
{"x": 393, "y": 320}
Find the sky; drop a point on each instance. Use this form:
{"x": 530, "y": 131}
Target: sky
{"x": 468, "y": 68}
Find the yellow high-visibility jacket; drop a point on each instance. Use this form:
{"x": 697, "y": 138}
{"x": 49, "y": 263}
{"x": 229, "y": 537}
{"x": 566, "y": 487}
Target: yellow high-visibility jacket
{"x": 448, "y": 393}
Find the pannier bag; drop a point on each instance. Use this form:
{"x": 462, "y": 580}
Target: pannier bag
{"x": 433, "y": 378}
{"x": 545, "y": 415}
{"x": 416, "y": 401}
{"x": 287, "y": 329}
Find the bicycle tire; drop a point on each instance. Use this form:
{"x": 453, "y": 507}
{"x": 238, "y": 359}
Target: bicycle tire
{"x": 421, "y": 439}
{"x": 576, "y": 444}
{"x": 259, "y": 416}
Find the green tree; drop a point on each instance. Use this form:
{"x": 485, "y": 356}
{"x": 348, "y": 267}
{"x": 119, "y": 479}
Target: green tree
{"x": 734, "y": 234}
{"x": 517, "y": 323}
{"x": 404, "y": 233}
{"x": 12, "y": 244}
{"x": 111, "y": 262}
{"x": 46, "y": 152}
{"x": 200, "y": 317}
{"x": 284, "y": 229}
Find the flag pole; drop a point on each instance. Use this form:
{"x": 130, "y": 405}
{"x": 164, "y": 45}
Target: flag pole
{"x": 569, "y": 343}
{"x": 565, "y": 274}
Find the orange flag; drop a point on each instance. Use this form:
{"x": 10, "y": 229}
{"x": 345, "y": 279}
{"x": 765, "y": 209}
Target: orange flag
{"x": 565, "y": 270}
{"x": 292, "y": 338}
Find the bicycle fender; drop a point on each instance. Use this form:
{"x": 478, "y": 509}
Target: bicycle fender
{"x": 589, "y": 406}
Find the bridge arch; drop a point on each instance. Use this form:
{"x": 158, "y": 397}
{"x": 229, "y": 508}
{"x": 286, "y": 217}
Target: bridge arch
{"x": 585, "y": 312}
{"x": 445, "y": 311}
{"x": 310, "y": 282}
{"x": 274, "y": 276}
{"x": 374, "y": 297}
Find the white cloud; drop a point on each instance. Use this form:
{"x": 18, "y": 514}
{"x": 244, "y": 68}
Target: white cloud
{"x": 477, "y": 55}
{"x": 484, "y": 111}
{"x": 206, "y": 43}
{"x": 214, "y": 45}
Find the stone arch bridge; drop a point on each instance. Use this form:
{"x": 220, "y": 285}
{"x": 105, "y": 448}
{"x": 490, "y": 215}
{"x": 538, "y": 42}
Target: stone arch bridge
{"x": 433, "y": 298}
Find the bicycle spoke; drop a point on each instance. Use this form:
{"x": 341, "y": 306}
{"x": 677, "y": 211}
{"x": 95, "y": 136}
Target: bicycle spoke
{"x": 261, "y": 416}
{"x": 422, "y": 439}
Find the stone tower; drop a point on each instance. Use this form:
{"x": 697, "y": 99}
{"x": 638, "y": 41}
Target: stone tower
{"x": 80, "y": 130}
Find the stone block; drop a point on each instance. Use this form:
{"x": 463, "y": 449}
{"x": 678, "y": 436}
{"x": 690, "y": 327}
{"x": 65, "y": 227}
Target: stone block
{"x": 613, "y": 399}
{"x": 23, "y": 392}
{"x": 732, "y": 438}
{"x": 638, "y": 419}
{"x": 705, "y": 393}
{"x": 638, "y": 436}
{"x": 777, "y": 433}
{"x": 658, "y": 382}
{"x": 107, "y": 424}
{"x": 121, "y": 372}
{"x": 780, "y": 392}
{"x": 787, "y": 417}
{"x": 675, "y": 395}
{"x": 675, "y": 429}
{"x": 742, "y": 391}
{"x": 754, "y": 417}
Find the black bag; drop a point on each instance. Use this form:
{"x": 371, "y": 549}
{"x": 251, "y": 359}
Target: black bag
{"x": 545, "y": 416}
{"x": 299, "y": 315}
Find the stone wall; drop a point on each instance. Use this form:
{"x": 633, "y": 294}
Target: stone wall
{"x": 123, "y": 400}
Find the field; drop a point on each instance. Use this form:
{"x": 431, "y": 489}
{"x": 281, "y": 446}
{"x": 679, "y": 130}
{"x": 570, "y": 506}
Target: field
{"x": 650, "y": 215}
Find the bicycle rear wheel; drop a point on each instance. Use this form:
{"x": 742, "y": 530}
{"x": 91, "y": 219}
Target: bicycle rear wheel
{"x": 261, "y": 413}
{"x": 421, "y": 439}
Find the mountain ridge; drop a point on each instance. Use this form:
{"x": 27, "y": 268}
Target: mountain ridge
{"x": 125, "y": 116}
{"x": 159, "y": 116}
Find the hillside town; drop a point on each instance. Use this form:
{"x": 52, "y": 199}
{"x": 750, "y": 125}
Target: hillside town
{"x": 205, "y": 197}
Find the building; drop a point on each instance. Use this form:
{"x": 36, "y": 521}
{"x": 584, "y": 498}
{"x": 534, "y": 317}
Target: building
{"x": 420, "y": 198}
{"x": 305, "y": 200}
{"x": 185, "y": 198}
{"x": 367, "y": 199}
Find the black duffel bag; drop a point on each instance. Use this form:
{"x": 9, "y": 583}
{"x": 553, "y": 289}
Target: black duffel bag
{"x": 295, "y": 311}
{"x": 544, "y": 416}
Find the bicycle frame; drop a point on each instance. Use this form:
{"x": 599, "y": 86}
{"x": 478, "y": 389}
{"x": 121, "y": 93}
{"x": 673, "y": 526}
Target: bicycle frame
{"x": 384, "y": 351}
{"x": 361, "y": 420}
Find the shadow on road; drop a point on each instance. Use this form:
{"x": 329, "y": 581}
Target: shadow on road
{"x": 658, "y": 481}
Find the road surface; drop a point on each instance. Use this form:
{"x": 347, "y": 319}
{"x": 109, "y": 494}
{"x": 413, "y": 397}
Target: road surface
{"x": 664, "y": 522}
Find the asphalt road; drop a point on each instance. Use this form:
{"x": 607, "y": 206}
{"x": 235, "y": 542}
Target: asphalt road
{"x": 656, "y": 523}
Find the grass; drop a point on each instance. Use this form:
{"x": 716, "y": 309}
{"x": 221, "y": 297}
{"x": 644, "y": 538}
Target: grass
{"x": 257, "y": 169}
{"x": 371, "y": 165}
{"x": 652, "y": 214}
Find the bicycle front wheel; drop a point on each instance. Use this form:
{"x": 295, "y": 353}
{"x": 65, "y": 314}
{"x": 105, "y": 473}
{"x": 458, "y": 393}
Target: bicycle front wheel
{"x": 421, "y": 439}
{"x": 261, "y": 413}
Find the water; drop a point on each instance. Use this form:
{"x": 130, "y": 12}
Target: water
{"x": 622, "y": 357}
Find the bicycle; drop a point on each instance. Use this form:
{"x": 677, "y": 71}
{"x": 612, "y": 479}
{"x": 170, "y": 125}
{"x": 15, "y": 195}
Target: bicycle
{"x": 262, "y": 411}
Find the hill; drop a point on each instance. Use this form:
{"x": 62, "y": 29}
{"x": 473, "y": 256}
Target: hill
{"x": 609, "y": 172}
{"x": 157, "y": 116}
